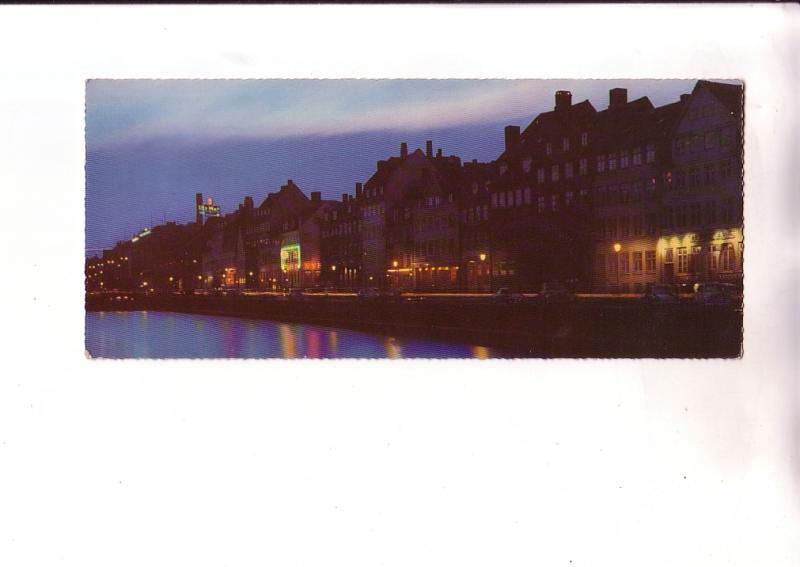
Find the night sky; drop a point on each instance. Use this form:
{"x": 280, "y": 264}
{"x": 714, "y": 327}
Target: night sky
{"x": 152, "y": 144}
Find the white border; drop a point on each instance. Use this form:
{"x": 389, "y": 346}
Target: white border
{"x": 393, "y": 463}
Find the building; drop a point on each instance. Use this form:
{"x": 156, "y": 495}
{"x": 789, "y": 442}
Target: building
{"x": 474, "y": 244}
{"x": 340, "y": 245}
{"x": 701, "y": 237}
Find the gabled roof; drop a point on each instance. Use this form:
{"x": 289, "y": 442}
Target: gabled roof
{"x": 728, "y": 94}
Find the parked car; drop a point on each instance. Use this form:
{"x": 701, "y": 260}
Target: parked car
{"x": 718, "y": 294}
{"x": 660, "y": 294}
{"x": 295, "y": 294}
{"x": 505, "y": 295}
{"x": 368, "y": 293}
{"x": 555, "y": 292}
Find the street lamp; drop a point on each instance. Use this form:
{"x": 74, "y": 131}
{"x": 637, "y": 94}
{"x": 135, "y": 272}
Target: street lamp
{"x": 617, "y": 248}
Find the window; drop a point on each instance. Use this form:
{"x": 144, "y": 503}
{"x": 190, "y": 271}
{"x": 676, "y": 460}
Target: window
{"x": 501, "y": 200}
{"x": 518, "y": 198}
{"x": 626, "y": 263}
{"x": 548, "y": 149}
{"x": 668, "y": 256}
{"x": 474, "y": 187}
{"x": 680, "y": 179}
{"x": 494, "y": 200}
{"x": 637, "y": 262}
{"x": 712, "y": 139}
{"x": 623, "y": 159}
{"x": 541, "y": 204}
{"x": 510, "y": 198}
{"x": 683, "y": 264}
{"x": 650, "y": 260}
{"x": 694, "y": 260}
{"x": 554, "y": 201}
{"x": 710, "y": 174}
{"x": 612, "y": 161}
{"x": 651, "y": 153}
{"x": 527, "y": 195}
{"x": 695, "y": 178}
{"x": 503, "y": 168}
{"x": 568, "y": 198}
{"x": 582, "y": 167}
{"x": 565, "y": 144}
{"x": 637, "y": 156}
{"x": 601, "y": 164}
{"x": 713, "y": 257}
{"x": 526, "y": 165}
{"x": 584, "y": 138}
{"x": 540, "y": 175}
{"x": 554, "y": 173}
{"x": 486, "y": 212}
{"x": 727, "y": 258}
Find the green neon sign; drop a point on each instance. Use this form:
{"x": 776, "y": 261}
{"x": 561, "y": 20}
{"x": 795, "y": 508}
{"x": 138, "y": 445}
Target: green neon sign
{"x": 290, "y": 258}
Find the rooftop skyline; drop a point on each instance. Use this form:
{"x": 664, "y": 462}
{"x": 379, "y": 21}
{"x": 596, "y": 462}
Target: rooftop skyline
{"x": 152, "y": 144}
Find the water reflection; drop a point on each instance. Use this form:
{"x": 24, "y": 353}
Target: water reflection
{"x": 177, "y": 335}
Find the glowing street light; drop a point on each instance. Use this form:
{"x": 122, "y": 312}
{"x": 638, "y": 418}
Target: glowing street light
{"x": 617, "y": 247}
{"x": 394, "y": 264}
{"x": 482, "y": 256}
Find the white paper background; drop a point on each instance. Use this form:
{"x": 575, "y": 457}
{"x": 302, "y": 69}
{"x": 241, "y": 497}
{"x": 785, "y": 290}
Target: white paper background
{"x": 389, "y": 462}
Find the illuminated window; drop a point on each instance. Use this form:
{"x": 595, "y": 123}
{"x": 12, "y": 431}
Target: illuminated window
{"x": 650, "y": 260}
{"x": 612, "y": 161}
{"x": 568, "y": 198}
{"x": 637, "y": 262}
{"x": 554, "y": 202}
{"x": 683, "y": 264}
{"x": 540, "y": 175}
{"x": 727, "y": 258}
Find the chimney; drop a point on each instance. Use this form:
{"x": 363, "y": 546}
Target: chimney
{"x": 512, "y": 137}
{"x": 429, "y": 148}
{"x": 563, "y": 100}
{"x": 403, "y": 150}
{"x": 344, "y": 197}
{"x": 617, "y": 98}
{"x": 248, "y": 202}
{"x": 316, "y": 196}
{"x": 439, "y": 152}
{"x": 685, "y": 97}
{"x": 359, "y": 187}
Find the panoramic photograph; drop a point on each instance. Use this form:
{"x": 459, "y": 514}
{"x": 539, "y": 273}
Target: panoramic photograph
{"x": 414, "y": 219}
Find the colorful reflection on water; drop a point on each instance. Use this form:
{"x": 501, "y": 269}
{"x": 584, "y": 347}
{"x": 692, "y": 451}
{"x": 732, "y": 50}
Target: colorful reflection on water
{"x": 142, "y": 334}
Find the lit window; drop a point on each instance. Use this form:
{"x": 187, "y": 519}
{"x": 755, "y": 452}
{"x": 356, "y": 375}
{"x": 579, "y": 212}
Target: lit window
{"x": 540, "y": 175}
{"x": 650, "y": 260}
{"x": 568, "y": 198}
{"x": 612, "y": 161}
{"x": 637, "y": 262}
{"x": 554, "y": 202}
{"x": 554, "y": 173}
{"x": 727, "y": 258}
{"x": 683, "y": 257}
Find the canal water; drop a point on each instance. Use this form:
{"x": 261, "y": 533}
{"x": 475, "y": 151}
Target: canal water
{"x": 155, "y": 334}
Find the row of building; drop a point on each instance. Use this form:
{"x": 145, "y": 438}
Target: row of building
{"x": 605, "y": 201}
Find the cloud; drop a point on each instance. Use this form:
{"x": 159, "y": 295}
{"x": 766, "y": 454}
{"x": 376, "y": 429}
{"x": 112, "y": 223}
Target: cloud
{"x": 207, "y": 111}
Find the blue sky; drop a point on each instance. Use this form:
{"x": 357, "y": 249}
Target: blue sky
{"x": 152, "y": 144}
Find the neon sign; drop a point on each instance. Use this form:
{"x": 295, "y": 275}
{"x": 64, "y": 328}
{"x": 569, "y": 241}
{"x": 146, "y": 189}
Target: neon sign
{"x": 290, "y": 258}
